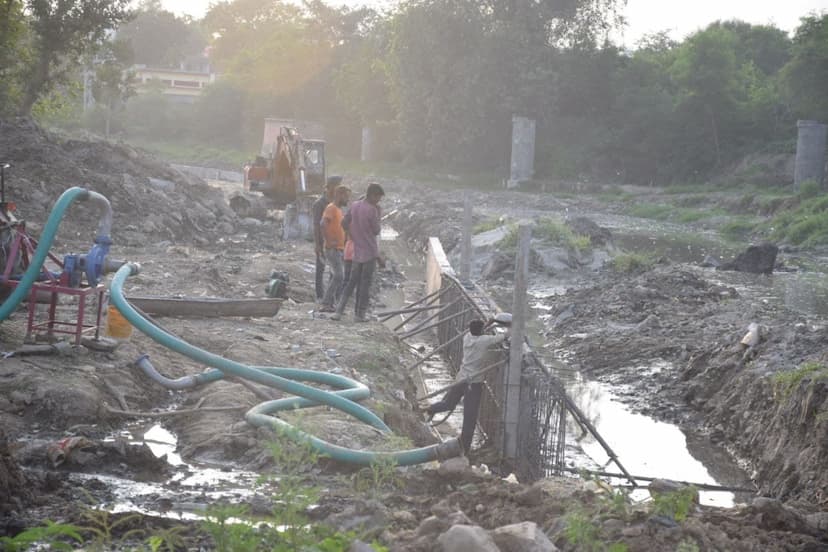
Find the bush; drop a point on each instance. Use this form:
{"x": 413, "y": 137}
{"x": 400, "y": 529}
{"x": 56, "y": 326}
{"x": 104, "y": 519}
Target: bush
{"x": 809, "y": 189}
{"x": 784, "y": 383}
{"x": 626, "y": 263}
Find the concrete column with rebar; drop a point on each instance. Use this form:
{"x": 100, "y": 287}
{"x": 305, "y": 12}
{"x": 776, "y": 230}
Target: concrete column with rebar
{"x": 511, "y": 411}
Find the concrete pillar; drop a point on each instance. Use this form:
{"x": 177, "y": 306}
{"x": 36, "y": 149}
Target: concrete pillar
{"x": 523, "y": 151}
{"x": 810, "y": 152}
{"x": 466, "y": 249}
{"x": 511, "y": 409}
{"x": 367, "y": 151}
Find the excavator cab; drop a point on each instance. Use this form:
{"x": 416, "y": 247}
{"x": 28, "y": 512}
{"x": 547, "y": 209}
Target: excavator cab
{"x": 290, "y": 171}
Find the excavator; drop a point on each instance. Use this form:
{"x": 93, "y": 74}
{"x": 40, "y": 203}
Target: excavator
{"x": 290, "y": 171}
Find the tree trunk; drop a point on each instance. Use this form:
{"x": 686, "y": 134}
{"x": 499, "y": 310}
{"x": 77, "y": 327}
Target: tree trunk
{"x": 37, "y": 82}
{"x": 715, "y": 129}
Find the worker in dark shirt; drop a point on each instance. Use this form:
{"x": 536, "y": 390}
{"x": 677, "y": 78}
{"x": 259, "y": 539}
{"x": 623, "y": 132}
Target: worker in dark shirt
{"x": 316, "y": 211}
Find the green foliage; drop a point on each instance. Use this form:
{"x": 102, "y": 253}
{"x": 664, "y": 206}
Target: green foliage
{"x": 104, "y": 526}
{"x": 160, "y": 39}
{"x": 737, "y": 229}
{"x": 510, "y": 240}
{"x": 655, "y": 211}
{"x": 627, "y": 263}
{"x": 784, "y": 383}
{"x": 230, "y": 532}
{"x": 806, "y": 225}
{"x": 167, "y": 540}
{"x": 486, "y": 225}
{"x": 809, "y": 189}
{"x": 676, "y": 505}
{"x": 687, "y": 545}
{"x": 585, "y": 535}
{"x": 804, "y": 78}
{"x": 14, "y": 52}
{"x": 53, "y": 535}
{"x": 61, "y": 33}
{"x": 557, "y": 232}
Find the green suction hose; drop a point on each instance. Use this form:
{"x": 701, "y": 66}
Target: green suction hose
{"x": 283, "y": 379}
{"x": 43, "y": 246}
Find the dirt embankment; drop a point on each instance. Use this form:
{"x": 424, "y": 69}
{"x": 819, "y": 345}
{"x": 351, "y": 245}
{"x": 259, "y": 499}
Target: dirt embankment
{"x": 150, "y": 200}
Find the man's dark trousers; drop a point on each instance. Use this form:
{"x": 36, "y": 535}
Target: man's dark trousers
{"x": 471, "y": 394}
{"x": 320, "y": 277}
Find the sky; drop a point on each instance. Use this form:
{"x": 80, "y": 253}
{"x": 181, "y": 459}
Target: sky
{"x": 678, "y": 17}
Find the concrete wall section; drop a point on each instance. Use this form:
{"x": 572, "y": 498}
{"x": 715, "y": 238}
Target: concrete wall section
{"x": 810, "y": 152}
{"x": 523, "y": 151}
{"x": 437, "y": 264}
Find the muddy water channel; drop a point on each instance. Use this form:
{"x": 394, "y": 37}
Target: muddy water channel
{"x": 621, "y": 412}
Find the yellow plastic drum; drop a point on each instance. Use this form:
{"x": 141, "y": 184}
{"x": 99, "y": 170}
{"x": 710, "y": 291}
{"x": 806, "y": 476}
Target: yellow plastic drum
{"x": 116, "y": 325}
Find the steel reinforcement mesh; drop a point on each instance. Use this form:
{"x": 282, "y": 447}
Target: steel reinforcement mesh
{"x": 541, "y": 436}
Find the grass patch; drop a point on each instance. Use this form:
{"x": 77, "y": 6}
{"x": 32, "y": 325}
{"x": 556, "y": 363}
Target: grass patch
{"x": 675, "y": 505}
{"x": 555, "y": 231}
{"x": 806, "y": 225}
{"x": 432, "y": 176}
{"x": 627, "y": 263}
{"x": 661, "y": 211}
{"x": 197, "y": 154}
{"x": 488, "y": 224}
{"x": 784, "y": 383}
{"x": 738, "y": 228}
{"x": 656, "y": 211}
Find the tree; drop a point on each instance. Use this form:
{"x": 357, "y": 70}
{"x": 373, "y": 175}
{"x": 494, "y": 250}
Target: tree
{"x": 218, "y": 115}
{"x": 113, "y": 83}
{"x": 159, "y": 38}
{"x": 12, "y": 52}
{"x": 62, "y": 30}
{"x": 806, "y": 75}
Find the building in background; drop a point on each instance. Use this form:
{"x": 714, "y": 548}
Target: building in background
{"x": 183, "y": 84}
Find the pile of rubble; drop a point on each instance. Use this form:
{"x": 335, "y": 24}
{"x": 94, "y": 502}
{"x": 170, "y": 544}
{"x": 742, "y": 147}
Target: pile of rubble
{"x": 151, "y": 201}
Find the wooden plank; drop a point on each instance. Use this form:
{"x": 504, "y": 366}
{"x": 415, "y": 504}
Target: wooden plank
{"x": 206, "y": 307}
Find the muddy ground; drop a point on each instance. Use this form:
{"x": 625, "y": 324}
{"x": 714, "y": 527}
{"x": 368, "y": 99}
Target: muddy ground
{"x": 681, "y": 314}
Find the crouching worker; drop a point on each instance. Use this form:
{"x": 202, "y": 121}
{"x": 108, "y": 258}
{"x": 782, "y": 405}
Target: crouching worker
{"x": 469, "y": 381}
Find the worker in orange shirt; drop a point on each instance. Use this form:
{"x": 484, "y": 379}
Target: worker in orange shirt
{"x": 334, "y": 241}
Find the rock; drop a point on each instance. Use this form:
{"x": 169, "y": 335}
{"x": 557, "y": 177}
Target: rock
{"x": 751, "y": 338}
{"x": 359, "y": 546}
{"x": 772, "y": 515}
{"x": 404, "y": 517}
{"x": 369, "y": 517}
{"x": 583, "y": 226}
{"x": 454, "y": 467}
{"x": 522, "y": 537}
{"x": 437, "y": 524}
{"x": 500, "y": 264}
{"x": 666, "y": 486}
{"x": 533, "y": 496}
{"x": 430, "y": 525}
{"x": 466, "y": 538}
{"x": 710, "y": 262}
{"x": 756, "y": 259}
{"x": 161, "y": 184}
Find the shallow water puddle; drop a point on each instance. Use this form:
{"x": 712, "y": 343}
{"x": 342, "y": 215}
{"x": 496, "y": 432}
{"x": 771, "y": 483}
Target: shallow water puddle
{"x": 644, "y": 446}
{"x": 185, "y": 495}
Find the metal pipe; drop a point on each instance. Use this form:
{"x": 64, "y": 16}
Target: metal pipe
{"x": 408, "y": 319}
{"x": 105, "y": 222}
{"x": 434, "y": 325}
{"x": 439, "y": 349}
{"x": 429, "y": 319}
